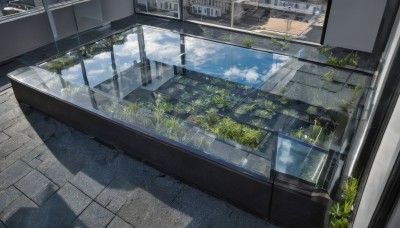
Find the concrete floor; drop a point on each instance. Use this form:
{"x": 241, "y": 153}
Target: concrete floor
{"x": 54, "y": 176}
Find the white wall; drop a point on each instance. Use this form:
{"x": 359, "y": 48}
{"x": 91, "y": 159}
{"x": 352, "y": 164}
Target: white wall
{"x": 354, "y": 24}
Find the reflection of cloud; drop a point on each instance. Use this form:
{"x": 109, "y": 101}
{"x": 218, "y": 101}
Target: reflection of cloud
{"x": 104, "y": 55}
{"x": 92, "y": 73}
{"x": 130, "y": 48}
{"x": 198, "y": 52}
{"x": 162, "y": 46}
{"x": 249, "y": 75}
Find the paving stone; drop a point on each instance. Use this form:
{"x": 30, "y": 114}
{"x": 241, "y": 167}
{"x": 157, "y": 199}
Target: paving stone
{"x": 9, "y": 118}
{"x": 22, "y": 212}
{"x": 19, "y": 153}
{"x": 19, "y": 128}
{"x": 37, "y": 187}
{"x": 197, "y": 204}
{"x": 93, "y": 179}
{"x": 3, "y": 137}
{"x": 147, "y": 210}
{"x": 13, "y": 173}
{"x": 94, "y": 216}
{"x": 62, "y": 208}
{"x": 8, "y": 146}
{"x": 2, "y": 225}
{"x": 60, "y": 174}
{"x": 117, "y": 222}
{"x": 34, "y": 153}
{"x": 114, "y": 196}
{"x": 134, "y": 171}
{"x": 7, "y": 196}
{"x": 150, "y": 206}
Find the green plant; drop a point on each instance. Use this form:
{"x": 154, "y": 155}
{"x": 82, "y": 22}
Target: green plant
{"x": 248, "y": 42}
{"x": 344, "y": 105}
{"x": 283, "y": 42}
{"x": 290, "y": 112}
{"x": 324, "y": 49}
{"x": 311, "y": 110}
{"x": 349, "y": 59}
{"x": 328, "y": 76}
{"x": 341, "y": 211}
{"x": 243, "y": 109}
{"x": 228, "y": 128}
{"x": 284, "y": 100}
{"x": 264, "y": 114}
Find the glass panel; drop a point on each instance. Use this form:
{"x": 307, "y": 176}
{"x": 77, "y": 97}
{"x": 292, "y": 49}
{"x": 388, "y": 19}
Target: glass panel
{"x": 169, "y": 8}
{"x": 11, "y": 9}
{"x": 255, "y": 110}
{"x": 282, "y": 18}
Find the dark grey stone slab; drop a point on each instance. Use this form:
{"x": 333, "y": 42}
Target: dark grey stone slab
{"x": 2, "y": 225}
{"x": 22, "y": 212}
{"x": 3, "y": 137}
{"x": 19, "y": 153}
{"x": 7, "y": 196}
{"x": 34, "y": 153}
{"x": 8, "y": 146}
{"x": 62, "y": 208}
{"x": 94, "y": 216}
{"x": 59, "y": 173}
{"x": 151, "y": 205}
{"x": 117, "y": 222}
{"x": 115, "y": 195}
{"x": 93, "y": 178}
{"x": 13, "y": 173}
{"x": 197, "y": 204}
{"x": 37, "y": 187}
{"x": 134, "y": 171}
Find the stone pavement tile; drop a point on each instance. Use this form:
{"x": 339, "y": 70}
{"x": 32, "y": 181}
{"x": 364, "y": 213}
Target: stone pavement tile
{"x": 150, "y": 205}
{"x": 34, "y": 153}
{"x": 94, "y": 216}
{"x": 93, "y": 178}
{"x": 7, "y": 196}
{"x": 3, "y": 137}
{"x": 37, "y": 187}
{"x": 146, "y": 210}
{"x": 134, "y": 171}
{"x": 114, "y": 196}
{"x": 9, "y": 146}
{"x": 18, "y": 128}
{"x": 48, "y": 129}
{"x": 239, "y": 218}
{"x": 13, "y": 173}
{"x": 60, "y": 174}
{"x": 197, "y": 204}
{"x": 117, "y": 222}
{"x": 2, "y": 225}
{"x": 19, "y": 153}
{"x": 9, "y": 118}
{"x": 8, "y": 105}
{"x": 22, "y": 212}
{"x": 62, "y": 208}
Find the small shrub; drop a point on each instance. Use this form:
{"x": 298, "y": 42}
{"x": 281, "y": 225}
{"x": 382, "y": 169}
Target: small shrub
{"x": 341, "y": 211}
{"x": 248, "y": 42}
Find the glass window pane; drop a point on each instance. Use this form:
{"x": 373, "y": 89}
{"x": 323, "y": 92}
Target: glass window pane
{"x": 169, "y": 8}
{"x": 297, "y": 19}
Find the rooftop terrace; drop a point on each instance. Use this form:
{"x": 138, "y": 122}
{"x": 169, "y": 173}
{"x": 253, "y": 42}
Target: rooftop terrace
{"x": 54, "y": 175}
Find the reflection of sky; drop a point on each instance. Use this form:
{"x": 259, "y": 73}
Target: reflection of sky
{"x": 232, "y": 63}
{"x": 162, "y": 46}
{"x": 229, "y": 62}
